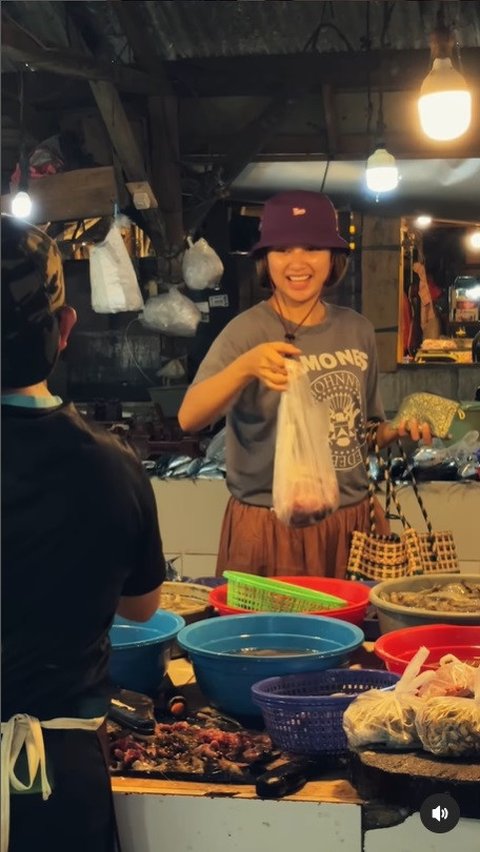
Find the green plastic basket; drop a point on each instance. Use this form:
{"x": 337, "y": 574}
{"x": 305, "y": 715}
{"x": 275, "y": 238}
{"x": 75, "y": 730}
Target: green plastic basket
{"x": 259, "y": 594}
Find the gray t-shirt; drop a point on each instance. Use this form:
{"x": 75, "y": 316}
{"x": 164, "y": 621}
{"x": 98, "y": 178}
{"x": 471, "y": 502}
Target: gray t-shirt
{"x": 341, "y": 362}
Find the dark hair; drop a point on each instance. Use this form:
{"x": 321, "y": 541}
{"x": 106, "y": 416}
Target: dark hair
{"x": 32, "y": 297}
{"x": 339, "y": 268}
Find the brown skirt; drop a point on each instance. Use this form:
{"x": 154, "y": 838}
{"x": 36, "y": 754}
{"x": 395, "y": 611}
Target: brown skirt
{"x": 255, "y": 541}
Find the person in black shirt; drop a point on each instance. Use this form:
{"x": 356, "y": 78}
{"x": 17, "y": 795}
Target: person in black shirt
{"x": 80, "y": 542}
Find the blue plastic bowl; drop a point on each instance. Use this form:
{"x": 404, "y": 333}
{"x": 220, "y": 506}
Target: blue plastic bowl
{"x": 226, "y": 676}
{"x": 141, "y": 652}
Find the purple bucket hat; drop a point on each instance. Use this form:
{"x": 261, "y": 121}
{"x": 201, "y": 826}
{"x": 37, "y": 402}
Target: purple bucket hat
{"x": 300, "y": 218}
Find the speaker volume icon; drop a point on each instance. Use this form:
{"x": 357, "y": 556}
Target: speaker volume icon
{"x": 439, "y": 813}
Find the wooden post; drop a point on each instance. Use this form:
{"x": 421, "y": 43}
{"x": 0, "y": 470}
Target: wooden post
{"x": 381, "y": 257}
{"x": 165, "y": 166}
{"x": 163, "y": 121}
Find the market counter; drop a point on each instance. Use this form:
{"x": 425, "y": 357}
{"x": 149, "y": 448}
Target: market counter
{"x": 174, "y": 816}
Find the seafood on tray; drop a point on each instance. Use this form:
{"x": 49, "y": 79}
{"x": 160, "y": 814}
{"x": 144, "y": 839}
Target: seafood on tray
{"x": 447, "y": 597}
{"x": 183, "y": 748}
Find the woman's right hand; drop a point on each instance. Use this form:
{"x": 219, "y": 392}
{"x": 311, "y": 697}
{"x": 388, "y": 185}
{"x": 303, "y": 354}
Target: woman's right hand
{"x": 266, "y": 362}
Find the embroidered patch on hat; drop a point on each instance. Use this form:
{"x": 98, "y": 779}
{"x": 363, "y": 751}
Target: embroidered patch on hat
{"x": 298, "y": 211}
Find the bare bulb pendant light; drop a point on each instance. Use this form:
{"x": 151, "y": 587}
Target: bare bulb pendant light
{"x": 21, "y": 205}
{"x": 445, "y": 103}
{"x": 381, "y": 173}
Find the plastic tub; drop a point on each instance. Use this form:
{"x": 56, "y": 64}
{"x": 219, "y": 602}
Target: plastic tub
{"x": 301, "y": 714}
{"x": 397, "y": 648}
{"x": 226, "y": 675}
{"x": 356, "y": 594}
{"x": 393, "y": 616}
{"x": 141, "y": 652}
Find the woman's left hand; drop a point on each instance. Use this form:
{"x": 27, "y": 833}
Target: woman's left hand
{"x": 416, "y": 431}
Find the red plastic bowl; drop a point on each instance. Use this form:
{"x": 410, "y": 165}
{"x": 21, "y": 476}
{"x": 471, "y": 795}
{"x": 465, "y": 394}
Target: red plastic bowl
{"x": 355, "y": 593}
{"x": 397, "y": 648}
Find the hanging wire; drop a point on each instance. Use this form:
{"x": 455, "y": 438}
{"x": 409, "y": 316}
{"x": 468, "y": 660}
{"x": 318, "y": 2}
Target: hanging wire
{"x": 324, "y": 179}
{"x": 312, "y": 41}
{"x": 128, "y": 343}
{"x": 368, "y": 43}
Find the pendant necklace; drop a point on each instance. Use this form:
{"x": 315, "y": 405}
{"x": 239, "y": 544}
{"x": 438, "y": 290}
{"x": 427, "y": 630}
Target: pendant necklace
{"x": 290, "y": 335}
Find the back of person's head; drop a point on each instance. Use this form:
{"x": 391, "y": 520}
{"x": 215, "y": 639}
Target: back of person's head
{"x": 33, "y": 295}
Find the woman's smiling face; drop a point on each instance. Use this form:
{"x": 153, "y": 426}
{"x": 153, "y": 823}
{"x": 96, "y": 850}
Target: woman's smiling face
{"x": 299, "y": 273}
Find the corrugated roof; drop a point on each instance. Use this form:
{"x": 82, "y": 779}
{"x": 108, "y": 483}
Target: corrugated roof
{"x": 223, "y": 28}
{"x": 186, "y": 29}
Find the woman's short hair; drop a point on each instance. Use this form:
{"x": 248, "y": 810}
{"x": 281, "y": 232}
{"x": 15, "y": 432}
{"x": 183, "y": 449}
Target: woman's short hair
{"x": 339, "y": 267}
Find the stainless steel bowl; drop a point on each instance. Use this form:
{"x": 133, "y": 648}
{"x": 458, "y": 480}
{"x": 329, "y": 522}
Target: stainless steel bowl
{"x": 393, "y": 616}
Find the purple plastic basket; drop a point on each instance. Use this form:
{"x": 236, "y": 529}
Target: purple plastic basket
{"x": 303, "y": 717}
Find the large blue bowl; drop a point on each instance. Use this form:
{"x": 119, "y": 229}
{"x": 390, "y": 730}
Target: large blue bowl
{"x": 141, "y": 652}
{"x": 226, "y": 676}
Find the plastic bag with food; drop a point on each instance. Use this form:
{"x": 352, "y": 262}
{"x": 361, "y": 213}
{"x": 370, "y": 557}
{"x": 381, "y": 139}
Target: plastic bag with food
{"x": 305, "y": 487}
{"x": 201, "y": 266}
{"x": 171, "y": 313}
{"x": 387, "y": 718}
{"x": 453, "y": 677}
{"x": 450, "y": 727}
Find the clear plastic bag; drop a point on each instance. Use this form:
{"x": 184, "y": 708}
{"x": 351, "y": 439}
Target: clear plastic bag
{"x": 450, "y": 727}
{"x": 305, "y": 487}
{"x": 171, "y": 313}
{"x": 112, "y": 276}
{"x": 388, "y": 718}
{"x": 201, "y": 266}
{"x": 453, "y": 677}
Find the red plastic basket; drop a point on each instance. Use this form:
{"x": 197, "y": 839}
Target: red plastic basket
{"x": 397, "y": 648}
{"x": 355, "y": 593}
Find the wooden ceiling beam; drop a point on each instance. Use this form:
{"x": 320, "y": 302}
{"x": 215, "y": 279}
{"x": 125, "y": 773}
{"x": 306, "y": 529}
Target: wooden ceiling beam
{"x": 397, "y": 70}
{"x": 141, "y": 42}
{"x": 21, "y": 48}
{"x": 248, "y": 143}
{"x": 163, "y": 122}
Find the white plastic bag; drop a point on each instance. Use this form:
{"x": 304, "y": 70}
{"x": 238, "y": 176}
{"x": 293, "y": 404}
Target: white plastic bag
{"x": 171, "y": 313}
{"x": 112, "y": 276}
{"x": 305, "y": 487}
{"x": 450, "y": 727}
{"x": 388, "y": 718}
{"x": 453, "y": 677}
{"x": 201, "y": 266}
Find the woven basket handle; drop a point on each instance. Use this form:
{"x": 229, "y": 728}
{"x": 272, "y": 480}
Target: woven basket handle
{"x": 391, "y": 490}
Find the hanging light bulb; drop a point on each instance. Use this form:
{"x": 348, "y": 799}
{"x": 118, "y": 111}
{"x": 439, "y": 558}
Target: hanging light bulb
{"x": 381, "y": 173}
{"x": 474, "y": 240}
{"x": 445, "y": 103}
{"x": 21, "y": 205}
{"x": 423, "y": 221}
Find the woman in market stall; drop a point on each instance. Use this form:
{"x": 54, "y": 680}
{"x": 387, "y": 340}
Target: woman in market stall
{"x": 299, "y": 254}
{"x": 80, "y": 541}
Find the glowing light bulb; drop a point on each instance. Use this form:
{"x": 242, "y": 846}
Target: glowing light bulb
{"x": 445, "y": 104}
{"x": 423, "y": 221}
{"x": 381, "y": 172}
{"x": 21, "y": 205}
{"x": 474, "y": 240}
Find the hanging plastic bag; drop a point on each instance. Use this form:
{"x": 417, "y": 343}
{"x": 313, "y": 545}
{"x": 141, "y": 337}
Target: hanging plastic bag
{"x": 201, "y": 265}
{"x": 388, "y": 718}
{"x": 171, "y": 313}
{"x": 450, "y": 727}
{"x": 112, "y": 276}
{"x": 305, "y": 487}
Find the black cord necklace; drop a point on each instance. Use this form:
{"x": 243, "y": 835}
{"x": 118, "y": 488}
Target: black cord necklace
{"x": 290, "y": 335}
